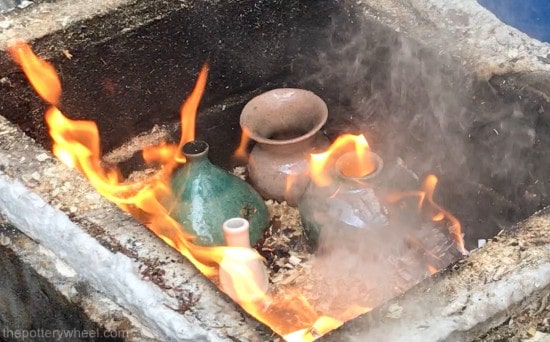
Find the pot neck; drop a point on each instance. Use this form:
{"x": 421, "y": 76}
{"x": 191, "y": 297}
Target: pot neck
{"x": 195, "y": 151}
{"x": 292, "y": 146}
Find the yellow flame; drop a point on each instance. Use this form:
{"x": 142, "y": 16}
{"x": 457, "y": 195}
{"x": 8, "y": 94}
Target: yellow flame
{"x": 188, "y": 112}
{"x": 241, "y": 153}
{"x": 438, "y": 213}
{"x": 362, "y": 165}
{"x": 44, "y": 81}
{"x": 76, "y": 143}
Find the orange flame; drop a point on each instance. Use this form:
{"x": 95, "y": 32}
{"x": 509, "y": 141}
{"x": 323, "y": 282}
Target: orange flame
{"x": 188, "y": 112}
{"x": 290, "y": 181}
{"x": 361, "y": 166}
{"x": 45, "y": 81}
{"x": 438, "y": 213}
{"x": 431, "y": 269}
{"x": 325, "y": 324}
{"x": 454, "y": 225}
{"x": 76, "y": 143}
{"x": 162, "y": 154}
{"x": 241, "y": 153}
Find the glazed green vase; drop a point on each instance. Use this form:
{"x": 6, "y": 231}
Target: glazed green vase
{"x": 207, "y": 196}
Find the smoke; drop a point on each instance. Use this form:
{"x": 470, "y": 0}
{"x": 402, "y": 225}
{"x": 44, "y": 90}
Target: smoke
{"x": 422, "y": 110}
{"x": 419, "y": 105}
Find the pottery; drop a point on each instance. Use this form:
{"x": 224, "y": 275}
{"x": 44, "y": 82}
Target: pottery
{"x": 244, "y": 262}
{"x": 285, "y": 124}
{"x": 206, "y": 196}
{"x": 347, "y": 209}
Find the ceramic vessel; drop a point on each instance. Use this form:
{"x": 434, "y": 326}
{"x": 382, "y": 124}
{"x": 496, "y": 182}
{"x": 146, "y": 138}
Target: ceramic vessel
{"x": 346, "y": 210}
{"x": 242, "y": 266}
{"x": 207, "y": 196}
{"x": 285, "y": 123}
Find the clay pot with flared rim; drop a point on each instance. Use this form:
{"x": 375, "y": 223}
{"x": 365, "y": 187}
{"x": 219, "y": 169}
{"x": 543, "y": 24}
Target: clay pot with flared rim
{"x": 286, "y": 124}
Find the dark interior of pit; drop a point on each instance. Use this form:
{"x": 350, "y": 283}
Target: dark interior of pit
{"x": 487, "y": 141}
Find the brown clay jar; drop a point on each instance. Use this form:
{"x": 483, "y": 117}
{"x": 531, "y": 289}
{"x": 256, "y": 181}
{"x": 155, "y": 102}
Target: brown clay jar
{"x": 285, "y": 123}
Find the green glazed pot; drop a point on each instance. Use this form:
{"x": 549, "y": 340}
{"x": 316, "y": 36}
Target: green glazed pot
{"x": 207, "y": 196}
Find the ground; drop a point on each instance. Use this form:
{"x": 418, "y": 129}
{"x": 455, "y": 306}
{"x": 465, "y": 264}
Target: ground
{"x": 531, "y": 323}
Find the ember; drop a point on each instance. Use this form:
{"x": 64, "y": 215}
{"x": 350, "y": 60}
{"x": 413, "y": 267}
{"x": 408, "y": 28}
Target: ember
{"x": 288, "y": 311}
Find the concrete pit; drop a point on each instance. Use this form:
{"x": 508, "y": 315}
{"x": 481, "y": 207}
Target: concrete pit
{"x": 446, "y": 89}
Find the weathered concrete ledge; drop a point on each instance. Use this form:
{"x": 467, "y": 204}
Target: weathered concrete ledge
{"x": 490, "y": 48}
{"x": 130, "y": 265}
{"x": 40, "y": 291}
{"x": 47, "y": 18}
{"x": 466, "y": 30}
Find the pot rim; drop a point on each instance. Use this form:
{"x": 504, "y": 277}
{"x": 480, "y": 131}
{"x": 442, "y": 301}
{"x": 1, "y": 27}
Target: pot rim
{"x": 260, "y": 139}
{"x": 375, "y": 157}
{"x": 195, "y": 149}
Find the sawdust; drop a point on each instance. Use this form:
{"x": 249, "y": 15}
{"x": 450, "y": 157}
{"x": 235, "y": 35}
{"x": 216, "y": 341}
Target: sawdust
{"x": 284, "y": 246}
{"x": 531, "y": 323}
{"x": 152, "y": 138}
{"x": 335, "y": 282}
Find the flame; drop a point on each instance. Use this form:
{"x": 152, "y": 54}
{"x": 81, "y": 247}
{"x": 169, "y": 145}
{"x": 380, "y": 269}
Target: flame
{"x": 431, "y": 269}
{"x": 325, "y": 324}
{"x": 76, "y": 143}
{"x": 188, "y": 112}
{"x": 241, "y": 153}
{"x": 45, "y": 81}
{"x": 359, "y": 167}
{"x": 290, "y": 181}
{"x": 161, "y": 154}
{"x": 438, "y": 214}
{"x": 454, "y": 225}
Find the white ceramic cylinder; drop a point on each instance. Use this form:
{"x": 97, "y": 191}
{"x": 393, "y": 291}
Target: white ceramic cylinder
{"x": 236, "y": 232}
{"x": 242, "y": 274}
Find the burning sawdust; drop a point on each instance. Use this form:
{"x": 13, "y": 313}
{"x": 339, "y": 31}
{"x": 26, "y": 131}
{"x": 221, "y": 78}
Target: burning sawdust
{"x": 339, "y": 284}
{"x": 338, "y": 280}
{"x": 331, "y": 285}
{"x": 285, "y": 246}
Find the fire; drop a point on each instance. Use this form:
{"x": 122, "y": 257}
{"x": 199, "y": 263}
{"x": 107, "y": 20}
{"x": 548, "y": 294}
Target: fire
{"x": 454, "y": 225}
{"x": 45, "y": 81}
{"x": 241, "y": 153}
{"x": 359, "y": 167}
{"x": 188, "y": 112}
{"x": 432, "y": 270}
{"x": 76, "y": 143}
{"x": 437, "y": 213}
{"x": 325, "y": 324}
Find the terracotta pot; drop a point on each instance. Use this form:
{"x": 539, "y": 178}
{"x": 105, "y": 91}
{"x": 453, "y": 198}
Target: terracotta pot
{"x": 286, "y": 124}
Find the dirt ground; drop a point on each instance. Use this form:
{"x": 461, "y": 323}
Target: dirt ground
{"x": 530, "y": 323}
